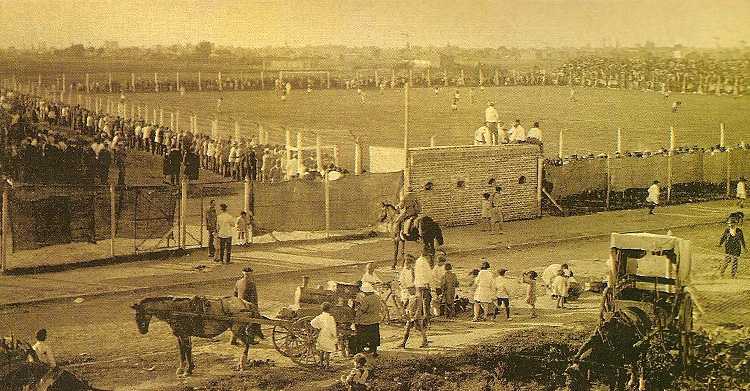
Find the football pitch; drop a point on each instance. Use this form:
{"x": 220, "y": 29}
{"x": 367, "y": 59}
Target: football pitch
{"x": 589, "y": 122}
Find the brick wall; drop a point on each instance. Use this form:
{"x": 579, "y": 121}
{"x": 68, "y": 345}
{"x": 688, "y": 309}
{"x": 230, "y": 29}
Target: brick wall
{"x": 452, "y": 204}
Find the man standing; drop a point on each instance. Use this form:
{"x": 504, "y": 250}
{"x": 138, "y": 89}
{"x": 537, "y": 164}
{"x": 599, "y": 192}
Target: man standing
{"x": 653, "y": 197}
{"x": 224, "y": 230}
{"x": 246, "y": 289}
{"x": 211, "y": 227}
{"x": 422, "y": 276}
{"x": 491, "y": 116}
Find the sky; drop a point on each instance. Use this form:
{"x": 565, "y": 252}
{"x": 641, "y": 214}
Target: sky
{"x": 383, "y": 23}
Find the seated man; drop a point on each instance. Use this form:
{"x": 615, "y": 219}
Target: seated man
{"x": 409, "y": 207}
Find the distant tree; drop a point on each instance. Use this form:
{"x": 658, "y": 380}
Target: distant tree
{"x": 204, "y": 49}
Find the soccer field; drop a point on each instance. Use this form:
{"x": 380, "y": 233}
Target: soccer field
{"x": 589, "y": 123}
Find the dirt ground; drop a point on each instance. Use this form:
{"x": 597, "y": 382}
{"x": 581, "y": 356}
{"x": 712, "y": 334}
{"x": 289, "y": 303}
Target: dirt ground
{"x": 98, "y": 340}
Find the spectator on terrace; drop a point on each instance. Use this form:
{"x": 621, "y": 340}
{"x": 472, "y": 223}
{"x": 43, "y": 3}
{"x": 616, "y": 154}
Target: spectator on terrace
{"x": 517, "y": 133}
{"x": 535, "y": 135}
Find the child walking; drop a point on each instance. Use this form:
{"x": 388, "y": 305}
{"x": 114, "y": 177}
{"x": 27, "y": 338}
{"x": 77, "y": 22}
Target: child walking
{"x": 503, "y": 296}
{"x": 530, "y": 279}
{"x": 327, "y": 336}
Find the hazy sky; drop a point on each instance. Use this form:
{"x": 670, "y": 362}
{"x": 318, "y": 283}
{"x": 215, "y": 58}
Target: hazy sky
{"x": 467, "y": 23}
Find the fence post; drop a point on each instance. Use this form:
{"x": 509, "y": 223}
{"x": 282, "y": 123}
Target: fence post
{"x": 357, "y": 157}
{"x": 327, "y": 188}
{"x": 619, "y": 141}
{"x": 669, "y": 163}
{"x": 112, "y": 218}
{"x": 300, "y": 155}
{"x": 5, "y": 230}
{"x": 288, "y": 142}
{"x": 560, "y": 146}
{"x": 540, "y": 175}
{"x": 609, "y": 183}
{"x": 721, "y": 135}
{"x": 183, "y": 208}
{"x": 729, "y": 173}
{"x": 318, "y": 153}
{"x": 336, "y": 155}
{"x": 201, "y": 222}
{"x": 249, "y": 206}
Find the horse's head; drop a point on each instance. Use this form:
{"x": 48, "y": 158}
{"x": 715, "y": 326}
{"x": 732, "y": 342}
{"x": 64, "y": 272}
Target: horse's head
{"x": 386, "y": 209}
{"x": 142, "y": 318}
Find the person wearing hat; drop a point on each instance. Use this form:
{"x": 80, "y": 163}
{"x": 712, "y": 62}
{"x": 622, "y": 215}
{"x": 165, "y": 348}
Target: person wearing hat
{"x": 246, "y": 289}
{"x": 367, "y": 314}
{"x": 409, "y": 207}
{"x": 491, "y": 116}
{"x": 517, "y": 133}
{"x": 653, "y": 197}
{"x": 225, "y": 231}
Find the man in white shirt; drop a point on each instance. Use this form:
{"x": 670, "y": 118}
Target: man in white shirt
{"x": 517, "y": 133}
{"x": 491, "y": 116}
{"x": 535, "y": 135}
{"x": 43, "y": 352}
{"x": 224, "y": 231}
{"x": 482, "y": 135}
{"x": 653, "y": 197}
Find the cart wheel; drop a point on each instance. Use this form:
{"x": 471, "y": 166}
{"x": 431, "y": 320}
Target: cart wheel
{"x": 281, "y": 338}
{"x": 302, "y": 343}
{"x": 685, "y": 327}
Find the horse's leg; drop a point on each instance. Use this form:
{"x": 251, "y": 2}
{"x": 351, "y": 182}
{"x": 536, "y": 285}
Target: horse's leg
{"x": 189, "y": 355}
{"x": 181, "y": 346}
{"x": 395, "y": 253}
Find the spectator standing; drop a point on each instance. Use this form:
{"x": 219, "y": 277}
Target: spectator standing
{"x": 653, "y": 197}
{"x": 448, "y": 285}
{"x": 741, "y": 192}
{"x": 105, "y": 161}
{"x": 484, "y": 293}
{"x": 437, "y": 291}
{"x": 327, "y": 336}
{"x": 414, "y": 318}
{"x": 42, "y": 350}
{"x": 491, "y": 117}
{"x": 225, "y": 231}
{"x": 367, "y": 314}
{"x": 175, "y": 162}
{"x": 242, "y": 223}
{"x": 487, "y": 213}
{"x": 246, "y": 289}
{"x": 734, "y": 243}
{"x": 497, "y": 210}
{"x": 211, "y": 228}
{"x": 501, "y": 290}
{"x": 531, "y": 295}
{"x": 422, "y": 277}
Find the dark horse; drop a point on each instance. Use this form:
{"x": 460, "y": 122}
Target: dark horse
{"x": 197, "y": 316}
{"x": 617, "y": 347}
{"x": 423, "y": 228}
{"x": 20, "y": 368}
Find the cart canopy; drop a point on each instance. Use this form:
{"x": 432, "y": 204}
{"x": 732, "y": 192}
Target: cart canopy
{"x": 654, "y": 243}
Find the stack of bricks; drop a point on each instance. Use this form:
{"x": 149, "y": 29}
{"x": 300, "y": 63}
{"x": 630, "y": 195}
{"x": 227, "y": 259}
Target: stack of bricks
{"x": 450, "y": 181}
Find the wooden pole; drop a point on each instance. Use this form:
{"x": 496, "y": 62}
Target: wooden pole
{"x": 112, "y": 218}
{"x": 327, "y": 186}
{"x": 200, "y": 85}
{"x": 109, "y": 82}
{"x": 64, "y": 87}
{"x": 132, "y": 81}
{"x": 721, "y": 135}
{"x": 300, "y": 154}
{"x": 288, "y": 152}
{"x": 560, "y": 146}
{"x": 221, "y": 87}
{"x": 177, "y": 76}
{"x": 88, "y": 86}
{"x": 609, "y": 183}
{"x": 319, "y": 153}
{"x": 336, "y": 155}
{"x": 156, "y": 82}
{"x": 171, "y": 120}
{"x": 357, "y": 157}
{"x": 248, "y": 193}
{"x": 539, "y": 176}
{"x": 183, "y": 211}
{"x": 729, "y": 172}
{"x": 407, "y": 171}
{"x": 619, "y": 141}
{"x": 4, "y": 250}
{"x": 249, "y": 209}
{"x": 432, "y": 141}
{"x": 671, "y": 138}
{"x": 669, "y": 162}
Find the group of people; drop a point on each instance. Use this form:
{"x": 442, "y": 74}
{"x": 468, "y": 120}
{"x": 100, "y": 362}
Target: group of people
{"x": 492, "y": 292}
{"x": 222, "y": 227}
{"x": 494, "y": 131}
{"x": 687, "y": 75}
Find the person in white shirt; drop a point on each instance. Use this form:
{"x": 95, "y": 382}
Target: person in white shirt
{"x": 484, "y": 294}
{"x": 370, "y": 276}
{"x": 43, "y": 352}
{"x": 741, "y": 192}
{"x": 422, "y": 279}
{"x": 437, "y": 275}
{"x": 535, "y": 135}
{"x": 224, "y": 231}
{"x": 482, "y": 135}
{"x": 406, "y": 277}
{"x": 491, "y": 117}
{"x": 517, "y": 133}
{"x": 501, "y": 290}
{"x": 653, "y": 197}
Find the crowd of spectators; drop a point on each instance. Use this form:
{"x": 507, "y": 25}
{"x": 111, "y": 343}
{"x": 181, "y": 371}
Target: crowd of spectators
{"x": 52, "y": 143}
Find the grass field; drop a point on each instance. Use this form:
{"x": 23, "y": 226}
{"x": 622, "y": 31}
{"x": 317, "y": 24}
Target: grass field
{"x": 589, "y": 124}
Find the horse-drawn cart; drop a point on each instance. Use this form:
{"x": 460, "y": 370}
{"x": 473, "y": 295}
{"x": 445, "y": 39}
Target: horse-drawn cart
{"x": 647, "y": 302}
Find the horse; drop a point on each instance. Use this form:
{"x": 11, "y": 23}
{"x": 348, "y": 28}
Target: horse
{"x": 617, "y": 346}
{"x": 423, "y": 228}
{"x": 20, "y": 368}
{"x": 187, "y": 317}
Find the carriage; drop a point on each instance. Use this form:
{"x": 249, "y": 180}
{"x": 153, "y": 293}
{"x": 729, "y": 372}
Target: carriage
{"x": 647, "y": 302}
